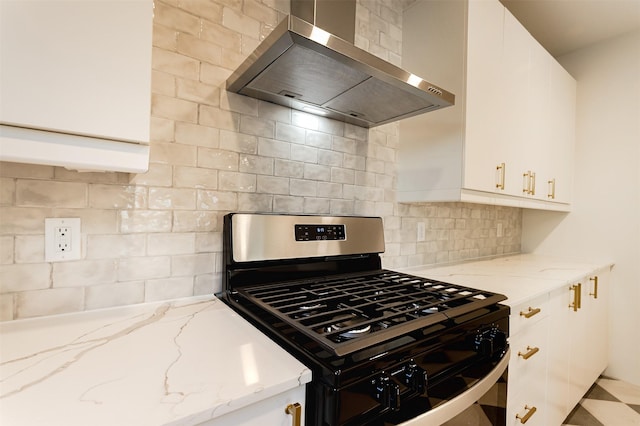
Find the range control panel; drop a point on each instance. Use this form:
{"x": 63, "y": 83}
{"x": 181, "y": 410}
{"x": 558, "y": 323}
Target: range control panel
{"x": 320, "y": 232}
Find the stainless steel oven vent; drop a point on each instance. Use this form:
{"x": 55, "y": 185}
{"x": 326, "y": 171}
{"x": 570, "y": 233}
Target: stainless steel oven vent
{"x": 302, "y": 64}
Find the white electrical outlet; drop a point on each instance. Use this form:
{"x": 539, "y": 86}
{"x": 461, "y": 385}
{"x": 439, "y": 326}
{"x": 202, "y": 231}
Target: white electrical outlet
{"x": 421, "y": 232}
{"x": 61, "y": 239}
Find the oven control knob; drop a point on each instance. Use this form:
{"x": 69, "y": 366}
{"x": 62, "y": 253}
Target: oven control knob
{"x": 387, "y": 393}
{"x": 415, "y": 378}
{"x": 490, "y": 342}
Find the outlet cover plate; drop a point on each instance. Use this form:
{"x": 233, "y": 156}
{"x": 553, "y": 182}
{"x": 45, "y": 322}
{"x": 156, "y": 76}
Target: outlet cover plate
{"x": 62, "y": 239}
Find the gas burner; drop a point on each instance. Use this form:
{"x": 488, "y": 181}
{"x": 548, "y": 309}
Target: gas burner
{"x": 312, "y": 307}
{"x": 350, "y": 324}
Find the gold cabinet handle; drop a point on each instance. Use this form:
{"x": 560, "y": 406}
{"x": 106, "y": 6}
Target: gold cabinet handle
{"x": 527, "y": 416}
{"x": 532, "y": 188}
{"x": 579, "y": 295}
{"x": 552, "y": 189}
{"x": 295, "y": 410}
{"x": 530, "y": 312}
{"x": 530, "y": 352}
{"x": 595, "y": 287}
{"x": 501, "y": 170}
{"x": 526, "y": 182}
{"x": 577, "y": 302}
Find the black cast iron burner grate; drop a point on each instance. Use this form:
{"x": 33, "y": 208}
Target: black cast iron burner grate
{"x": 347, "y": 313}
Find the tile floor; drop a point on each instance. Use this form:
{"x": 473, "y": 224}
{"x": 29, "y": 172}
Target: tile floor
{"x": 607, "y": 403}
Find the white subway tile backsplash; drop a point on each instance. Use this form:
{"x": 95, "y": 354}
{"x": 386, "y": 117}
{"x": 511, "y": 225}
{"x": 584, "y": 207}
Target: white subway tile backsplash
{"x": 195, "y": 221}
{"x": 158, "y": 235}
{"x": 132, "y": 221}
{"x": 117, "y": 196}
{"x": 217, "y": 200}
{"x": 255, "y": 164}
{"x": 114, "y": 294}
{"x": 171, "y": 243}
{"x": 172, "y": 198}
{"x": 29, "y": 249}
{"x": 273, "y": 185}
{"x": 84, "y": 273}
{"x": 115, "y": 246}
{"x": 197, "y": 48}
{"x": 248, "y": 202}
{"x": 274, "y": 148}
{"x": 288, "y": 204}
{"x": 192, "y": 264}
{"x": 25, "y": 276}
{"x": 7, "y": 302}
{"x": 32, "y": 193}
{"x": 194, "y": 177}
{"x": 257, "y": 126}
{"x": 7, "y": 191}
{"x": 168, "y": 288}
{"x": 6, "y": 249}
{"x": 243, "y": 24}
{"x": 307, "y": 154}
{"x": 49, "y": 302}
{"x": 143, "y": 268}
{"x": 317, "y": 172}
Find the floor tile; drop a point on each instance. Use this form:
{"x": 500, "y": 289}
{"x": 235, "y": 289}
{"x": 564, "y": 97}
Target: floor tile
{"x": 624, "y": 391}
{"x": 580, "y": 416}
{"x": 598, "y": 392}
{"x": 611, "y": 413}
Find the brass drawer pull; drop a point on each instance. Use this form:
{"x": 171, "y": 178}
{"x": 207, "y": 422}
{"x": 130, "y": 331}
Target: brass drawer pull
{"x": 530, "y": 312}
{"x": 530, "y": 352}
{"x": 501, "y": 171}
{"x": 295, "y": 410}
{"x": 526, "y": 417}
{"x": 595, "y": 287}
{"x": 577, "y": 302}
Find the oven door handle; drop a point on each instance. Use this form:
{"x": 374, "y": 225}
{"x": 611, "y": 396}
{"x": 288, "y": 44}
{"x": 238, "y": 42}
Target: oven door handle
{"x": 455, "y": 406}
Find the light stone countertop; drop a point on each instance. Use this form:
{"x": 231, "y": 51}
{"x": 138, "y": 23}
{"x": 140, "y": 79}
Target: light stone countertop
{"x": 519, "y": 277}
{"x": 180, "y": 362}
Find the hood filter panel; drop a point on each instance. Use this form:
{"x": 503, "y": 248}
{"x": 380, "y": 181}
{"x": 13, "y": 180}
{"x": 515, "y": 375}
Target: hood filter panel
{"x": 377, "y": 102}
{"x": 316, "y": 78}
{"x": 334, "y": 77}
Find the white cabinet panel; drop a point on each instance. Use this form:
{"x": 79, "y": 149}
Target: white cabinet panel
{"x": 499, "y": 143}
{"x": 269, "y": 412}
{"x": 77, "y": 68}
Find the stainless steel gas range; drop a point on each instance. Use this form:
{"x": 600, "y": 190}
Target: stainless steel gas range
{"x": 385, "y": 348}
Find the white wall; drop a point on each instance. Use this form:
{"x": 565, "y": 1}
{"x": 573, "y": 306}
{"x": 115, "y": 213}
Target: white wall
{"x": 605, "y": 221}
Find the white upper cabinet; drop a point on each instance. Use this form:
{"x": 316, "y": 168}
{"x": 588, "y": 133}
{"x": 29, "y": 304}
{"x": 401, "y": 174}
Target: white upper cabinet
{"x": 508, "y": 140}
{"x": 76, "y": 82}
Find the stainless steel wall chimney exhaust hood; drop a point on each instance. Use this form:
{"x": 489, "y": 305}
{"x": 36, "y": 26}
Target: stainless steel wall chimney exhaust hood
{"x": 302, "y": 66}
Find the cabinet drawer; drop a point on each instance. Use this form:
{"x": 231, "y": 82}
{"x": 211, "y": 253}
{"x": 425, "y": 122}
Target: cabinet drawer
{"x": 528, "y": 313}
{"x": 523, "y": 407}
{"x": 527, "y": 366}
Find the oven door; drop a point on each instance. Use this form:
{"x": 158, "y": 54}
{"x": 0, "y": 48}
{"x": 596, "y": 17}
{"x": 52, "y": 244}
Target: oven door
{"x": 483, "y": 404}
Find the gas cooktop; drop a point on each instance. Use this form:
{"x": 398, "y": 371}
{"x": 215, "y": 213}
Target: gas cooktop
{"x": 350, "y": 312}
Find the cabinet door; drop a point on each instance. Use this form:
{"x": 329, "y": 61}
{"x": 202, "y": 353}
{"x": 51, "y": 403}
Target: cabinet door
{"x": 527, "y": 373}
{"x": 79, "y": 67}
{"x": 515, "y": 75}
{"x": 485, "y": 147}
{"x": 560, "y": 316}
{"x": 561, "y": 107}
{"x": 271, "y": 411}
{"x": 596, "y": 305}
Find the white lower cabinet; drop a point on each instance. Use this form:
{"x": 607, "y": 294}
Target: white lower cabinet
{"x": 274, "y": 411}
{"x": 529, "y": 324}
{"x": 565, "y": 346}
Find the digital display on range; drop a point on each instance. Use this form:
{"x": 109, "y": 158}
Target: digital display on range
{"x": 320, "y": 232}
